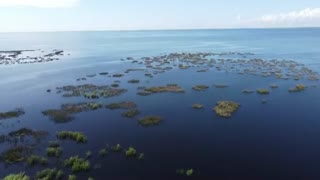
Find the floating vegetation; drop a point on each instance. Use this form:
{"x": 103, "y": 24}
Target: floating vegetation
{"x": 131, "y": 152}
{"x": 19, "y": 176}
{"x": 263, "y": 91}
{"x": 67, "y": 110}
{"x": 174, "y": 88}
{"x": 50, "y": 174}
{"x": 298, "y": 88}
{"x": 88, "y": 154}
{"x": 221, "y": 86}
{"x": 103, "y": 152}
{"x": 131, "y": 113}
{"x": 185, "y": 172}
{"x": 103, "y": 73}
{"x": 77, "y": 164}
{"x": 134, "y": 81}
{"x": 117, "y": 75}
{"x": 72, "y": 177}
{"x": 132, "y": 70}
{"x": 34, "y": 160}
{"x": 122, "y": 105}
{"x": 189, "y": 172}
{"x": 141, "y": 156}
{"x": 90, "y": 178}
{"x": 72, "y": 135}
{"x": 197, "y": 106}
{"x": 264, "y": 101}
{"x": 90, "y": 91}
{"x": 200, "y": 87}
{"x": 15, "y": 154}
{"x": 54, "y": 144}
{"x": 28, "y": 132}
{"x": 54, "y": 152}
{"x": 116, "y": 148}
{"x": 91, "y": 75}
{"x": 226, "y": 108}
{"x": 150, "y": 120}
{"x": 115, "y": 85}
{"x": 274, "y": 86}
{"x": 11, "y": 114}
{"x": 247, "y": 91}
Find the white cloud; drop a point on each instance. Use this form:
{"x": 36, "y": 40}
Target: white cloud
{"x": 294, "y": 16}
{"x": 39, "y": 3}
{"x": 309, "y": 17}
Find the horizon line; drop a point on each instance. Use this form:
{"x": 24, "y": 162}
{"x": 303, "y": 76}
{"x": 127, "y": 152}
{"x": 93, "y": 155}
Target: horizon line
{"x": 182, "y": 29}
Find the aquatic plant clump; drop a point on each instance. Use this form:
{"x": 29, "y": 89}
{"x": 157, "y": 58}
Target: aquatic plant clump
{"x": 122, "y": 105}
{"x": 103, "y": 152}
{"x": 150, "y": 120}
{"x": 72, "y": 135}
{"x": 11, "y": 114}
{"x": 134, "y": 81}
{"x": 34, "y": 159}
{"x": 131, "y": 152}
{"x": 185, "y": 172}
{"x": 247, "y": 91}
{"x": 72, "y": 177}
{"x": 174, "y": 88}
{"x": 15, "y": 154}
{"x": 116, "y": 148}
{"x": 77, "y": 164}
{"x": 197, "y": 106}
{"x": 19, "y": 176}
{"x": 263, "y": 91}
{"x": 298, "y": 88}
{"x": 90, "y": 91}
{"x": 131, "y": 113}
{"x": 221, "y": 86}
{"x": 28, "y": 132}
{"x": 54, "y": 151}
{"x": 226, "y": 108}
{"x": 49, "y": 174}
{"x": 200, "y": 87}
{"x": 65, "y": 113}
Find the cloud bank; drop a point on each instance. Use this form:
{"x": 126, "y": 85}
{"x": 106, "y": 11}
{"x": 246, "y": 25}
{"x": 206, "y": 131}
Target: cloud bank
{"x": 305, "y": 17}
{"x": 39, "y": 3}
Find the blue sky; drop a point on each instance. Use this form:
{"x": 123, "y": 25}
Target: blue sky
{"x": 76, "y": 15}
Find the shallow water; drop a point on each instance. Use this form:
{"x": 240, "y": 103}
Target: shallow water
{"x": 276, "y": 140}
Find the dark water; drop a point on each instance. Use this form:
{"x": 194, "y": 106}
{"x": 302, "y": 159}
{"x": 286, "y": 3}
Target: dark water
{"x": 277, "y": 140}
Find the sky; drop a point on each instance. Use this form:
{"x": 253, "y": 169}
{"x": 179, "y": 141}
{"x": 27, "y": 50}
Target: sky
{"x": 92, "y": 15}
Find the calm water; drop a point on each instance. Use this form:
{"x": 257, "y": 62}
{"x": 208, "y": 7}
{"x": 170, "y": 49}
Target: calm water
{"x": 279, "y": 140}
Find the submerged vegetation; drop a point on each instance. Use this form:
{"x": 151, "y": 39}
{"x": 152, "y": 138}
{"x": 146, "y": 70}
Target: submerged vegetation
{"x": 72, "y": 135}
{"x": 131, "y": 113}
{"x": 197, "y": 106}
{"x": 150, "y": 120}
{"x": 65, "y": 113}
{"x": 11, "y": 114}
{"x": 15, "y": 154}
{"x": 226, "y": 108}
